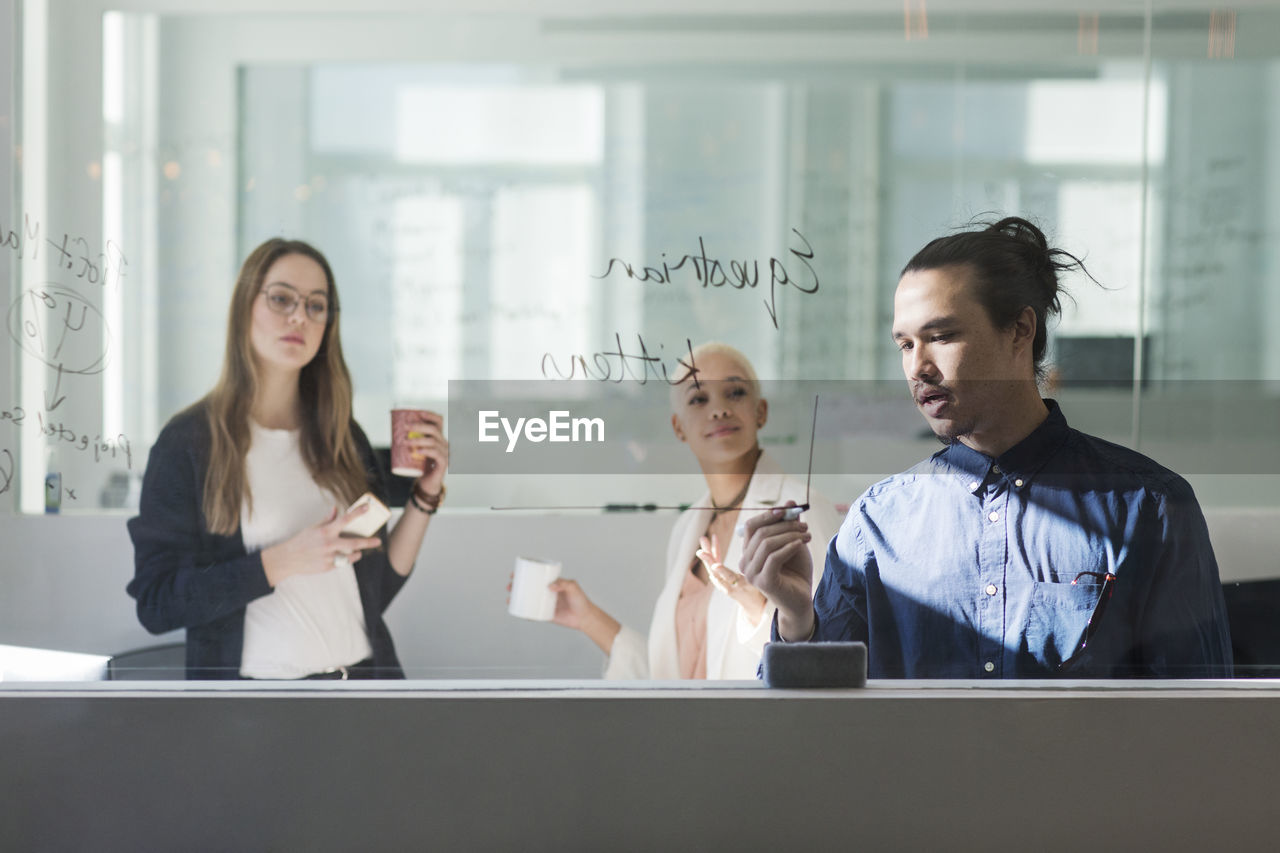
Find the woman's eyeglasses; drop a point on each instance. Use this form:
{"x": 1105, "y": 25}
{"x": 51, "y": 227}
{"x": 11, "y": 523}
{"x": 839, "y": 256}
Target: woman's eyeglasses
{"x": 283, "y": 299}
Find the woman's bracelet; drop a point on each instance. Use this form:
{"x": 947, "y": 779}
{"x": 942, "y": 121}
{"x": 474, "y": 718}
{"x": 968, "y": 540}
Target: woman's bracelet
{"x": 432, "y": 501}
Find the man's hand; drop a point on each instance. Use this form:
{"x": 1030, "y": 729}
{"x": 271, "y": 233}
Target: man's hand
{"x": 775, "y": 559}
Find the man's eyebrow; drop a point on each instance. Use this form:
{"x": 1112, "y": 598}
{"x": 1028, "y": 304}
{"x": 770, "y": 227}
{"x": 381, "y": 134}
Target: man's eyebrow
{"x": 932, "y": 325}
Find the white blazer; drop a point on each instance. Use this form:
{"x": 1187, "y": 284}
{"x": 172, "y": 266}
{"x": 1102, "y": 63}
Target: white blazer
{"x": 734, "y": 645}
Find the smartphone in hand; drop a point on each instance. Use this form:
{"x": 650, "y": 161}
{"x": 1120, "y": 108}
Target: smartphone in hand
{"x": 371, "y": 520}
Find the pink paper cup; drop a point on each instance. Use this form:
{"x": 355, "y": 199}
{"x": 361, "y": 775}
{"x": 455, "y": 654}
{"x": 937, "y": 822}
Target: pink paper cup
{"x": 402, "y": 462}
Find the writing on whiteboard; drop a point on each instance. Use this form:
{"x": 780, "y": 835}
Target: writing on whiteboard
{"x": 75, "y": 255}
{"x": 58, "y": 326}
{"x": 6, "y": 470}
{"x": 64, "y": 436}
{"x": 101, "y": 447}
{"x": 735, "y": 274}
{"x": 619, "y": 365}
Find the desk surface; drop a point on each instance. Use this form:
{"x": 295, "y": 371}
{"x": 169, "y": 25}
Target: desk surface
{"x": 590, "y": 766}
{"x": 920, "y": 690}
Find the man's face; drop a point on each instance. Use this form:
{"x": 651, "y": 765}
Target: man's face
{"x": 961, "y": 369}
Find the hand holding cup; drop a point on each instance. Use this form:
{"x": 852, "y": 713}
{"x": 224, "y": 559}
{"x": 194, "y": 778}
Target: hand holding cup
{"x": 419, "y": 448}
{"x": 531, "y": 596}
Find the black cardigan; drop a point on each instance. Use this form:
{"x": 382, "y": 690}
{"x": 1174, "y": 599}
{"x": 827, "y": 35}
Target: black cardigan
{"x": 187, "y": 577}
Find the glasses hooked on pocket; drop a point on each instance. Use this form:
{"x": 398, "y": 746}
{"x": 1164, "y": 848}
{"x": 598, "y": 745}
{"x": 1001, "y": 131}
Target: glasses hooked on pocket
{"x": 1095, "y": 618}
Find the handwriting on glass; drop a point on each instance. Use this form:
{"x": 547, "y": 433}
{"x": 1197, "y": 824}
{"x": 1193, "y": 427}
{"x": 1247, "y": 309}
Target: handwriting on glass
{"x": 57, "y": 325}
{"x": 102, "y": 447}
{"x": 710, "y": 272}
{"x": 6, "y": 470}
{"x": 73, "y": 254}
{"x": 629, "y": 365}
{"x": 56, "y": 492}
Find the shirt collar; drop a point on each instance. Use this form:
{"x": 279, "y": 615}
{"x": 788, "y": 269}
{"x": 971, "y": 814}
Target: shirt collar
{"x": 1020, "y": 463}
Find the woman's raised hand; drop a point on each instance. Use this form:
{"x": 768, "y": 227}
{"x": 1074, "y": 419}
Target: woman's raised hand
{"x": 316, "y": 549}
{"x": 731, "y": 583}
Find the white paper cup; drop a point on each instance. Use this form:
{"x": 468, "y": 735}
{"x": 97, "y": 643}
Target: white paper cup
{"x": 530, "y": 598}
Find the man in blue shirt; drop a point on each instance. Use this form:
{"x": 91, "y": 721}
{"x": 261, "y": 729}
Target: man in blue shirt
{"x": 1024, "y": 548}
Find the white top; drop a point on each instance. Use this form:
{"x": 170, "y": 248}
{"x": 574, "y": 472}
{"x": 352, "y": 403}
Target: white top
{"x": 310, "y": 623}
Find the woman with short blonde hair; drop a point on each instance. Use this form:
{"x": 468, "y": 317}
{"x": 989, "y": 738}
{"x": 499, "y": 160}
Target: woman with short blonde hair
{"x": 708, "y": 621}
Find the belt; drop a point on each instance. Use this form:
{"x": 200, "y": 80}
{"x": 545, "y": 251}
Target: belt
{"x": 362, "y": 669}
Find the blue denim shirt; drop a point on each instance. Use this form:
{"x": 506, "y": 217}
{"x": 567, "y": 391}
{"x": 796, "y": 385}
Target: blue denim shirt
{"x": 971, "y": 567}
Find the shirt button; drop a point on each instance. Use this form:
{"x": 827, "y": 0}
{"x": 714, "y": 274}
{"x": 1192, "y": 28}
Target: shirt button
{"x": 996, "y": 469}
{"x": 989, "y": 666}
{"x": 1018, "y": 483}
{"x": 973, "y": 485}
{"x": 995, "y": 516}
{"x": 991, "y": 589}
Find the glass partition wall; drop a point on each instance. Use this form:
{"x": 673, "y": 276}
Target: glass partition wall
{"x": 498, "y": 195}
{"x": 476, "y": 181}
{"x": 492, "y": 189}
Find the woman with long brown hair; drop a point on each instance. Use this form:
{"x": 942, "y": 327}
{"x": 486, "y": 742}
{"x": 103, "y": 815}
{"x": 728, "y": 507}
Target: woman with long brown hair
{"x": 239, "y": 533}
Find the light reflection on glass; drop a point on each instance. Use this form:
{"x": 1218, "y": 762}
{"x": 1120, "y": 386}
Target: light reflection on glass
{"x": 1222, "y": 34}
{"x": 915, "y": 20}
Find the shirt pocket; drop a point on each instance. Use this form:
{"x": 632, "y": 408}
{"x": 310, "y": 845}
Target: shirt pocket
{"x": 1058, "y": 617}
